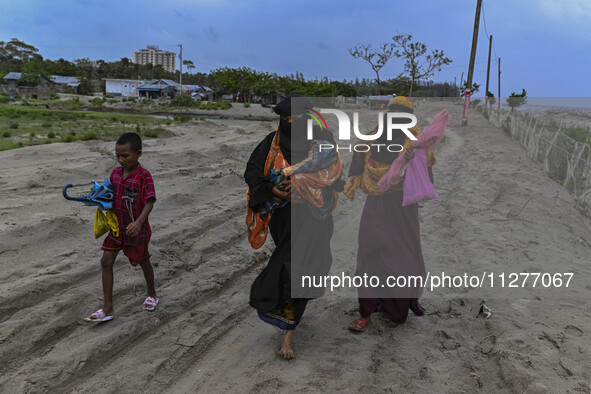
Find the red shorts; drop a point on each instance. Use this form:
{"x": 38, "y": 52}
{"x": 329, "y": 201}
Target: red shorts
{"x": 136, "y": 253}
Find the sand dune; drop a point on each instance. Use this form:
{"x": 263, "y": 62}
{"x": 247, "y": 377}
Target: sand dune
{"x": 497, "y": 212}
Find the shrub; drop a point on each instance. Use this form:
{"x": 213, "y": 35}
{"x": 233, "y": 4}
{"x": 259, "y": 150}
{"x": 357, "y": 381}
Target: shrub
{"x": 97, "y": 102}
{"x": 68, "y": 138}
{"x": 13, "y": 126}
{"x": 183, "y": 100}
{"x": 51, "y": 134}
{"x": 246, "y": 105}
{"x": 578, "y": 133}
{"x": 113, "y": 101}
{"x": 90, "y": 135}
{"x": 6, "y": 134}
{"x": 4, "y": 99}
{"x": 54, "y": 96}
{"x": 151, "y": 134}
{"x": 46, "y": 124}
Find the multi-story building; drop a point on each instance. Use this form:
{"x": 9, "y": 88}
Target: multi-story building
{"x": 155, "y": 56}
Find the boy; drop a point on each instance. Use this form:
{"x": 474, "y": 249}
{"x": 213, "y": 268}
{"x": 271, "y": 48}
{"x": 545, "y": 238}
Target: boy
{"x": 134, "y": 199}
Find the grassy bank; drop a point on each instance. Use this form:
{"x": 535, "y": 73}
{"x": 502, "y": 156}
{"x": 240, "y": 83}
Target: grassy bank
{"x": 33, "y": 125}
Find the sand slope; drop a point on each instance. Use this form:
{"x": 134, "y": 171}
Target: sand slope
{"x": 205, "y": 338}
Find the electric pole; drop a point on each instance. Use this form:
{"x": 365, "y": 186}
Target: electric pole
{"x": 181, "y": 75}
{"x": 471, "y": 67}
{"x": 499, "y": 85}
{"x": 487, "y": 76}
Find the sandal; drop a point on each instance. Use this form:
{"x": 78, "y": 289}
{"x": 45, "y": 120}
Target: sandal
{"x": 150, "y": 303}
{"x": 358, "y": 325}
{"x": 99, "y": 316}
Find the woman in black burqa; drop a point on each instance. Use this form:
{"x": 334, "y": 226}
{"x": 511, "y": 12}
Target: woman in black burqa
{"x": 290, "y": 225}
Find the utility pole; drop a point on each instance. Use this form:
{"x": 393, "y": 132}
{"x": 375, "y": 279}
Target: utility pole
{"x": 471, "y": 67}
{"x": 499, "y": 86}
{"x": 181, "y": 74}
{"x": 487, "y": 75}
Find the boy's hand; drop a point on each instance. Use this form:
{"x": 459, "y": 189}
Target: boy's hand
{"x": 133, "y": 229}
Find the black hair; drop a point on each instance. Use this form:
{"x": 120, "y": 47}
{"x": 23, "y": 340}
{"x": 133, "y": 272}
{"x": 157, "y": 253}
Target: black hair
{"x": 133, "y": 139}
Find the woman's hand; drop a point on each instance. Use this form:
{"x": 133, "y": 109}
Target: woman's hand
{"x": 409, "y": 154}
{"x": 283, "y": 194}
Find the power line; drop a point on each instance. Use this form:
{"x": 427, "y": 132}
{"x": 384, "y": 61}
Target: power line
{"x": 486, "y": 31}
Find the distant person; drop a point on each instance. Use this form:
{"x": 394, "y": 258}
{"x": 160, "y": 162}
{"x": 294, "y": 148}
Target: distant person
{"x": 389, "y": 234}
{"x": 298, "y": 217}
{"x": 134, "y": 198}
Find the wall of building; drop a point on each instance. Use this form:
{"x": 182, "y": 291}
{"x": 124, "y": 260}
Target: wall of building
{"x": 151, "y": 56}
{"x": 123, "y": 87}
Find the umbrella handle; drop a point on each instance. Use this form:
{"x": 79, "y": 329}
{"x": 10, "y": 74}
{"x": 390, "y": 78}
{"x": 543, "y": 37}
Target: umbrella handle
{"x": 65, "y": 193}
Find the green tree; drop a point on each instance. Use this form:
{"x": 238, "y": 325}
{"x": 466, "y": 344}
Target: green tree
{"x": 14, "y": 54}
{"x": 473, "y": 89}
{"x": 190, "y": 65}
{"x": 377, "y": 58}
{"x": 491, "y": 98}
{"x": 33, "y": 72}
{"x": 415, "y": 63}
{"x": 517, "y": 100}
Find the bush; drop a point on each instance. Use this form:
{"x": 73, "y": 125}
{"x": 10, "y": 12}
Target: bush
{"x": 4, "y": 99}
{"x": 88, "y": 136}
{"x": 46, "y": 124}
{"x": 54, "y": 96}
{"x": 68, "y": 138}
{"x": 183, "y": 100}
{"x": 6, "y": 134}
{"x": 113, "y": 101}
{"x": 13, "y": 126}
{"x": 151, "y": 134}
{"x": 246, "y": 105}
{"x": 579, "y": 134}
{"x": 51, "y": 134}
{"x": 97, "y": 102}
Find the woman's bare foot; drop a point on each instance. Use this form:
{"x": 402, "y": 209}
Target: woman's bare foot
{"x": 287, "y": 345}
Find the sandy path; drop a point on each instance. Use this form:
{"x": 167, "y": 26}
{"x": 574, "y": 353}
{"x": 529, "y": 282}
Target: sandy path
{"x": 204, "y": 336}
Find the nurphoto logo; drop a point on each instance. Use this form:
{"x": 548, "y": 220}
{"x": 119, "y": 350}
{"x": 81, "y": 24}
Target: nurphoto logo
{"x": 392, "y": 124}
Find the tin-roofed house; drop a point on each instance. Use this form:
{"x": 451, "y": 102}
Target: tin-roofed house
{"x": 37, "y": 87}
{"x": 66, "y": 84}
{"x": 158, "y": 88}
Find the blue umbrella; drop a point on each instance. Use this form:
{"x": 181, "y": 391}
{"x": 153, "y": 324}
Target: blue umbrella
{"x": 100, "y": 195}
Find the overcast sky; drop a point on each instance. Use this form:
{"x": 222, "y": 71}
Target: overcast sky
{"x": 545, "y": 45}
